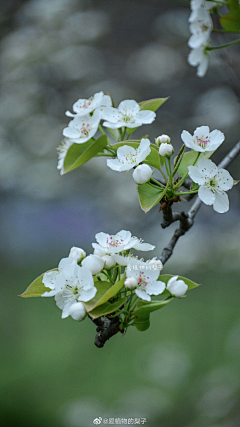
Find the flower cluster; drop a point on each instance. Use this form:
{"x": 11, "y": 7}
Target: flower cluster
{"x": 200, "y": 28}
{"x": 88, "y": 114}
{"x": 79, "y": 280}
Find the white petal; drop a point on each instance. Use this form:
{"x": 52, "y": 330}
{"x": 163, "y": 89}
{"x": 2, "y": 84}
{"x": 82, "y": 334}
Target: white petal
{"x": 221, "y": 203}
{"x": 146, "y": 116}
{"x": 203, "y": 66}
{"x": 207, "y": 167}
{"x": 143, "y": 247}
{"x": 143, "y": 295}
{"x": 206, "y": 195}
{"x": 195, "y": 175}
{"x": 87, "y": 295}
{"x": 216, "y": 138}
{"x": 130, "y": 106}
{"x": 225, "y": 180}
{"x": 187, "y": 139}
{"x": 155, "y": 288}
{"x": 124, "y": 151}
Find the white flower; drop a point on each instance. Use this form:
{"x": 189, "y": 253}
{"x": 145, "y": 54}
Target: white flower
{"x": 123, "y": 240}
{"x": 202, "y": 139}
{"x": 121, "y": 260}
{"x": 195, "y": 6}
{"x": 199, "y": 58}
{"x": 213, "y": 183}
{"x": 166, "y": 149}
{"x": 49, "y": 278}
{"x": 128, "y": 157}
{"x": 86, "y": 106}
{"x": 83, "y": 128}
{"x": 146, "y": 277}
{"x": 77, "y": 311}
{"x": 127, "y": 114}
{"x": 94, "y": 263}
{"x": 62, "y": 151}
{"x": 131, "y": 283}
{"x": 109, "y": 262}
{"x": 77, "y": 253}
{"x": 72, "y": 285}
{"x": 162, "y": 139}
{"x": 201, "y": 29}
{"x": 177, "y": 288}
{"x": 142, "y": 174}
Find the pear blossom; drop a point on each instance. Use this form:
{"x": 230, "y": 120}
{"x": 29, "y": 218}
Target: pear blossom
{"x": 201, "y": 29}
{"x": 62, "y": 152}
{"x": 86, "y": 106}
{"x": 94, "y": 263}
{"x": 83, "y": 128}
{"x": 128, "y": 157}
{"x": 72, "y": 285}
{"x": 77, "y": 253}
{"x": 142, "y": 174}
{"x": 202, "y": 139}
{"x": 177, "y": 288}
{"x": 49, "y": 278}
{"x": 128, "y": 114}
{"x": 146, "y": 277}
{"x": 166, "y": 150}
{"x": 162, "y": 139}
{"x": 120, "y": 242}
{"x": 77, "y": 311}
{"x": 199, "y": 57}
{"x": 213, "y": 184}
{"x": 109, "y": 262}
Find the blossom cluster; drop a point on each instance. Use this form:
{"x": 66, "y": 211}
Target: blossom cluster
{"x": 200, "y": 27}
{"x": 75, "y": 282}
{"x": 88, "y": 114}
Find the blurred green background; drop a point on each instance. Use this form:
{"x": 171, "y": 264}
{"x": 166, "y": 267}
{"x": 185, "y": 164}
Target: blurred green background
{"x": 183, "y": 371}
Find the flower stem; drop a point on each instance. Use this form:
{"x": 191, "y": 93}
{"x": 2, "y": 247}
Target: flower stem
{"x": 185, "y": 192}
{"x": 224, "y": 45}
{"x": 157, "y": 182}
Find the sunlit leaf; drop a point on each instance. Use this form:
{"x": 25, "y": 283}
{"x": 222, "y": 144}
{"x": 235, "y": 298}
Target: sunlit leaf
{"x": 142, "y": 313}
{"x": 149, "y": 195}
{"x": 231, "y": 21}
{"x": 152, "y": 104}
{"x": 37, "y": 288}
{"x": 105, "y": 291}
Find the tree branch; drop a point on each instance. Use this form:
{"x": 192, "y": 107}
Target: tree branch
{"x": 187, "y": 220}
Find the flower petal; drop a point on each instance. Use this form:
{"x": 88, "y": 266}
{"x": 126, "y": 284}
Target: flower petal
{"x": 221, "y": 203}
{"x": 206, "y": 195}
{"x": 155, "y": 288}
{"x": 142, "y": 294}
{"x": 225, "y": 180}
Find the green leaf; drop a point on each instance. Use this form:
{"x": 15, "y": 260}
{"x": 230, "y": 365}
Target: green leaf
{"x": 233, "y": 4}
{"x": 231, "y": 21}
{"x": 78, "y": 154}
{"x": 142, "y": 313}
{"x": 104, "y": 292}
{"x": 152, "y": 104}
{"x": 153, "y": 159}
{"x": 37, "y": 288}
{"x": 189, "y": 158}
{"x": 149, "y": 195}
{"x": 107, "y": 308}
{"x": 166, "y": 277}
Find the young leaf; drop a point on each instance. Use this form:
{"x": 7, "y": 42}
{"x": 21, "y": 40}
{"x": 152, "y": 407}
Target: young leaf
{"x": 149, "y": 195}
{"x": 107, "y": 308}
{"x": 142, "y": 313}
{"x": 233, "y": 4}
{"x": 152, "y": 104}
{"x": 78, "y": 154}
{"x": 189, "y": 158}
{"x": 37, "y": 288}
{"x": 231, "y": 21}
{"x": 104, "y": 293}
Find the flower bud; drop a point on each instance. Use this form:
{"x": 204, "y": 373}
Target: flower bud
{"x": 77, "y": 253}
{"x": 94, "y": 263}
{"x": 108, "y": 262}
{"x": 177, "y": 288}
{"x": 142, "y": 174}
{"x": 166, "y": 150}
{"x": 162, "y": 139}
{"x": 130, "y": 283}
{"x": 77, "y": 311}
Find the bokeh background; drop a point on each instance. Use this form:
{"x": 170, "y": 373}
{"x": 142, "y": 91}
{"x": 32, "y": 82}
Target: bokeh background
{"x": 185, "y": 369}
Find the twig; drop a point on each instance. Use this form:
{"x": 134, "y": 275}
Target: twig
{"x": 187, "y": 220}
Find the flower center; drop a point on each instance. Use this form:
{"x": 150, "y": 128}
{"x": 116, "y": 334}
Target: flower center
{"x": 202, "y": 141}
{"x": 85, "y": 129}
{"x": 142, "y": 280}
{"x": 113, "y": 243}
{"x": 85, "y": 103}
{"x": 130, "y": 158}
